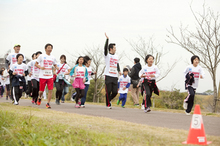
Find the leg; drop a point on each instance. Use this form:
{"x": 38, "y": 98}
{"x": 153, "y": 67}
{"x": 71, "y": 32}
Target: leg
{"x": 16, "y": 94}
{"x": 61, "y": 90}
{"x": 58, "y": 87}
{"x": 133, "y": 94}
{"x": 124, "y": 99}
{"x": 148, "y": 93}
{"x": 83, "y": 100}
{"x": 50, "y": 89}
{"x": 137, "y": 93}
{"x": 77, "y": 95}
{"x": 190, "y": 99}
{"x": 114, "y": 88}
{"x": 108, "y": 89}
{"x": 35, "y": 90}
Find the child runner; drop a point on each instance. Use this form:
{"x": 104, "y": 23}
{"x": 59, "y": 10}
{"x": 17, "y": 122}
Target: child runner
{"x": 192, "y": 74}
{"x": 124, "y": 82}
{"x": 149, "y": 72}
{"x": 87, "y": 62}
{"x": 7, "y": 82}
{"x": 45, "y": 62}
{"x": 111, "y": 72}
{"x": 60, "y": 83}
{"x": 81, "y": 76}
{"x": 35, "y": 79}
{"x": 18, "y": 71}
{"x": 29, "y": 77}
{"x": 66, "y": 88}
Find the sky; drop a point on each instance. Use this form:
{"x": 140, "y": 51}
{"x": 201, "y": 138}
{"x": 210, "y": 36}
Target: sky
{"x": 71, "y": 26}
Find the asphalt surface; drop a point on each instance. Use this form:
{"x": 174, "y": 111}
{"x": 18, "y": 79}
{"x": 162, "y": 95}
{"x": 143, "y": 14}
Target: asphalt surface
{"x": 153, "y": 118}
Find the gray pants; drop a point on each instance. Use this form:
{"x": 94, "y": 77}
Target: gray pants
{"x": 135, "y": 94}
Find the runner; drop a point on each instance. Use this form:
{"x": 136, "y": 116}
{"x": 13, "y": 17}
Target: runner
{"x": 111, "y": 69}
{"x": 192, "y": 74}
{"x": 11, "y": 59}
{"x": 149, "y": 72}
{"x": 60, "y": 82}
{"x": 18, "y": 71}
{"x": 29, "y": 77}
{"x": 87, "y": 62}
{"x": 1, "y": 83}
{"x": 45, "y": 63}
{"x": 35, "y": 79}
{"x": 7, "y": 82}
{"x": 124, "y": 82}
{"x": 81, "y": 76}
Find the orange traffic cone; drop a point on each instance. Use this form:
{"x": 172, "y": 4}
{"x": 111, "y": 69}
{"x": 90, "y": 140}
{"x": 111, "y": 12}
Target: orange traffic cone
{"x": 197, "y": 132}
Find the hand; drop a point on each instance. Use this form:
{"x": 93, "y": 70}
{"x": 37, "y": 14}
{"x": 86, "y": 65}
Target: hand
{"x": 124, "y": 88}
{"x": 143, "y": 75}
{"x": 106, "y": 36}
{"x": 94, "y": 72}
{"x": 30, "y": 74}
{"x": 23, "y": 74}
{"x": 138, "y": 85}
{"x": 42, "y": 68}
{"x": 120, "y": 73}
{"x": 152, "y": 76}
{"x": 201, "y": 76}
{"x": 84, "y": 80}
{"x": 14, "y": 73}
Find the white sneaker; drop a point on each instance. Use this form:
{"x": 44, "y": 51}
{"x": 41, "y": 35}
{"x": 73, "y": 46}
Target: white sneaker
{"x": 72, "y": 99}
{"x": 83, "y": 106}
{"x": 109, "y": 107}
{"x": 148, "y": 109}
{"x": 188, "y": 114}
{"x": 142, "y": 106}
{"x": 25, "y": 95}
{"x": 15, "y": 103}
{"x": 185, "y": 105}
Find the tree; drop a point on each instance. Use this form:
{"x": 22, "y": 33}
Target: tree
{"x": 204, "y": 42}
{"x": 98, "y": 64}
{"x": 143, "y": 48}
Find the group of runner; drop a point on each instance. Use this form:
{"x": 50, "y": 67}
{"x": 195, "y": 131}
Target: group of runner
{"x": 45, "y": 70}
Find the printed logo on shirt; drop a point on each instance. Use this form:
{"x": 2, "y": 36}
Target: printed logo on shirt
{"x": 123, "y": 84}
{"x": 90, "y": 73}
{"x": 196, "y": 74}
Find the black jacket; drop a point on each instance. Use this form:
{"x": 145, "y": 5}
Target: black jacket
{"x": 189, "y": 81}
{"x": 134, "y": 74}
{"x": 152, "y": 84}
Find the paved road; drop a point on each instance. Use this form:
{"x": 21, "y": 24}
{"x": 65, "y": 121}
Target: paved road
{"x": 154, "y": 118}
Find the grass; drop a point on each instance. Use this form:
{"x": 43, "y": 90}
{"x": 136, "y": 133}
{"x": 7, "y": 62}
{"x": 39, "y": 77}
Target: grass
{"x": 32, "y": 126}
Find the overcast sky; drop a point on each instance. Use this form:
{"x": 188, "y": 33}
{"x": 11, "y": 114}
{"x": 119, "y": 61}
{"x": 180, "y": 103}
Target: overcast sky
{"x": 74, "y": 25}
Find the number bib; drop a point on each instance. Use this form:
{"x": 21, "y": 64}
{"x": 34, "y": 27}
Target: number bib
{"x": 113, "y": 69}
{"x": 47, "y": 72}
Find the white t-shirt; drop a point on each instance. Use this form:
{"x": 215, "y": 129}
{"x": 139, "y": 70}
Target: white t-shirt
{"x": 111, "y": 62}
{"x": 123, "y": 82}
{"x": 19, "y": 68}
{"x": 46, "y": 61}
{"x": 153, "y": 70}
{"x": 35, "y": 70}
{"x": 64, "y": 69}
{"x": 197, "y": 71}
{"x": 6, "y": 77}
{"x": 80, "y": 72}
{"x": 12, "y": 58}
{"x": 89, "y": 70}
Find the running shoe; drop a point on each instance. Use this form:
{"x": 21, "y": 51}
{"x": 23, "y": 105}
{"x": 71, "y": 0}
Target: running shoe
{"x": 32, "y": 101}
{"x": 136, "y": 105}
{"x": 48, "y": 105}
{"x": 188, "y": 114}
{"x": 77, "y": 106}
{"x": 148, "y": 109}
{"x": 39, "y": 101}
{"x": 83, "y": 106}
{"x": 16, "y": 103}
{"x": 62, "y": 101}
{"x": 142, "y": 106}
{"x": 185, "y": 105}
{"x": 118, "y": 102}
{"x": 6, "y": 98}
{"x": 123, "y": 106}
{"x": 56, "y": 101}
{"x": 109, "y": 107}
{"x": 25, "y": 95}
{"x": 13, "y": 101}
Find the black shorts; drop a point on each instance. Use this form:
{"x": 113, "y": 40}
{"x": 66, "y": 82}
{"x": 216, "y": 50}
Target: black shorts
{"x": 7, "y": 87}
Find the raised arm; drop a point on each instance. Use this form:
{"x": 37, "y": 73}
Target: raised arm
{"x": 106, "y": 45}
